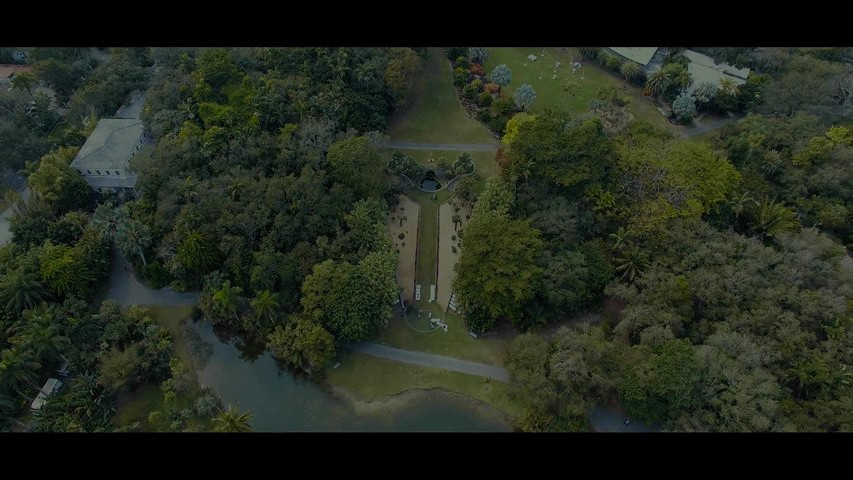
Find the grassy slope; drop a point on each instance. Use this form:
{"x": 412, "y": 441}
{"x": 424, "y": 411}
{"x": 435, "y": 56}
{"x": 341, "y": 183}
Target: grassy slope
{"x": 371, "y": 379}
{"x": 549, "y": 93}
{"x": 454, "y": 343}
{"x": 434, "y": 114}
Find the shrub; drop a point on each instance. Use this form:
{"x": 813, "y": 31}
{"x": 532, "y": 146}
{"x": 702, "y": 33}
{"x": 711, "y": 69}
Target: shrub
{"x": 155, "y": 274}
{"x": 484, "y": 116}
{"x": 613, "y": 62}
{"x": 460, "y": 77}
{"x": 477, "y": 69}
{"x": 498, "y": 124}
{"x": 455, "y": 52}
{"x": 504, "y": 106}
{"x": 453, "y": 248}
{"x": 485, "y": 99}
{"x": 469, "y": 92}
{"x": 401, "y": 235}
{"x": 478, "y": 84}
{"x": 453, "y": 238}
{"x": 492, "y": 87}
{"x": 461, "y": 62}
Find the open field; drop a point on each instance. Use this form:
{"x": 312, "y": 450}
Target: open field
{"x": 371, "y": 379}
{"x": 454, "y": 343}
{"x": 434, "y": 114}
{"x": 549, "y": 93}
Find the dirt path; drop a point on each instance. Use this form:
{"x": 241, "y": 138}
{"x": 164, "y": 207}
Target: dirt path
{"x": 699, "y": 130}
{"x": 430, "y": 360}
{"x": 408, "y": 210}
{"x": 446, "y": 257}
{"x": 455, "y": 147}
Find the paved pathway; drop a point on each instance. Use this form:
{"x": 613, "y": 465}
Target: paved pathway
{"x": 127, "y": 291}
{"x": 456, "y": 147}
{"x": 430, "y": 360}
{"x": 698, "y": 130}
{"x": 5, "y": 234}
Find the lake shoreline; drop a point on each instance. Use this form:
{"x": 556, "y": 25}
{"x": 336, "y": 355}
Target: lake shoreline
{"x": 405, "y": 398}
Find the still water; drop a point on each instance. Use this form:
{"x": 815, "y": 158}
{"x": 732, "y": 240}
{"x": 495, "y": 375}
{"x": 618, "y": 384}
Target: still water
{"x": 284, "y": 403}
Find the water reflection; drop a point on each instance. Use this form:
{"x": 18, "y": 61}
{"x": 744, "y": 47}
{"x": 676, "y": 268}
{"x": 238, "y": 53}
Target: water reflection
{"x": 282, "y": 402}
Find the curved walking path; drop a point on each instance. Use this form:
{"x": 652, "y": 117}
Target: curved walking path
{"x": 126, "y": 290}
{"x": 430, "y": 360}
{"x": 698, "y": 130}
{"x": 456, "y": 147}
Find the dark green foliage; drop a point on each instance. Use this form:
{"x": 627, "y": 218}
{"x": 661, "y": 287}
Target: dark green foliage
{"x": 663, "y": 385}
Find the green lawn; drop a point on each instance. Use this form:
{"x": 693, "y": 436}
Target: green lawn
{"x": 549, "y": 93}
{"x": 434, "y": 114}
{"x": 371, "y": 379}
{"x": 454, "y": 343}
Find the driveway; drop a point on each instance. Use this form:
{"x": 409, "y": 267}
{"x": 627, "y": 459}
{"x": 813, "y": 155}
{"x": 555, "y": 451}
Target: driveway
{"x": 430, "y": 360}
{"x": 126, "y": 289}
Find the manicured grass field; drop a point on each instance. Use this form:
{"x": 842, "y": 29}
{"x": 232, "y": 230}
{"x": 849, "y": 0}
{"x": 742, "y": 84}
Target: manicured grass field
{"x": 549, "y": 93}
{"x": 434, "y": 114}
{"x": 454, "y": 343}
{"x": 371, "y": 379}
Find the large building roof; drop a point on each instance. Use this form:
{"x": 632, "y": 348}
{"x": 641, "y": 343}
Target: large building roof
{"x": 641, "y": 55}
{"x": 704, "y": 69}
{"x": 110, "y": 145}
{"x": 706, "y": 61}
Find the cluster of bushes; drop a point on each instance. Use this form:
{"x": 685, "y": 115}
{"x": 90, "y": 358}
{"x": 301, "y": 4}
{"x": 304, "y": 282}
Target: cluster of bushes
{"x": 480, "y": 96}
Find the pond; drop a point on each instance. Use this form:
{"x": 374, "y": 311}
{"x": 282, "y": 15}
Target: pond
{"x": 429, "y": 183}
{"x": 284, "y": 403}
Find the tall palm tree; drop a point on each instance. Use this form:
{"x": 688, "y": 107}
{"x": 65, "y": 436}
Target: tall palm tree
{"x": 226, "y": 298}
{"x": 742, "y": 202}
{"x": 772, "y": 217}
{"x": 20, "y": 290}
{"x": 683, "y": 78}
{"x": 620, "y": 239}
{"x": 41, "y": 336}
{"x": 232, "y": 421}
{"x": 8, "y": 409}
{"x": 630, "y": 70}
{"x": 107, "y": 219}
{"x": 657, "y": 83}
{"x": 24, "y": 81}
{"x": 133, "y": 237}
{"x": 632, "y": 262}
{"x": 265, "y": 304}
{"x": 196, "y": 252}
{"x": 537, "y": 314}
{"x": 17, "y": 367}
{"x": 587, "y": 52}
{"x": 570, "y": 87}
